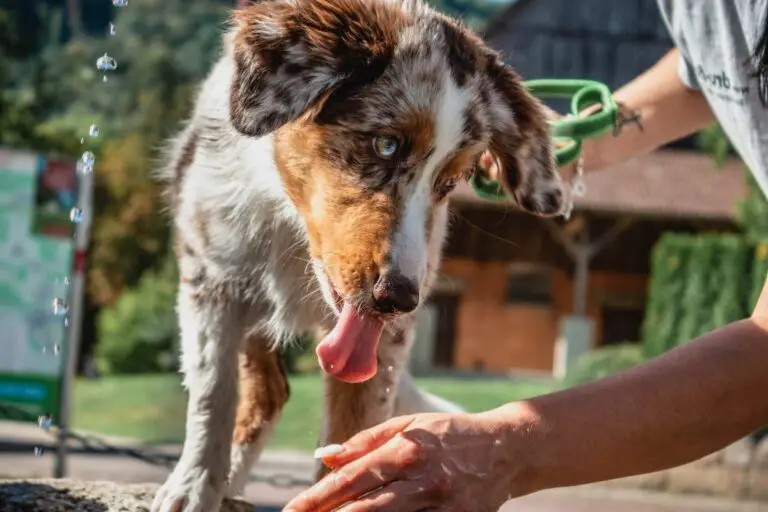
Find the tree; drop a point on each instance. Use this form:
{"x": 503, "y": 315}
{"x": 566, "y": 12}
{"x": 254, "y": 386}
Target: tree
{"x": 161, "y": 59}
{"x": 752, "y": 212}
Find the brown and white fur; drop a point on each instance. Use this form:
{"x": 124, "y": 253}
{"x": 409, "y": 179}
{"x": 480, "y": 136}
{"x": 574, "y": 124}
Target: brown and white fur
{"x": 283, "y": 210}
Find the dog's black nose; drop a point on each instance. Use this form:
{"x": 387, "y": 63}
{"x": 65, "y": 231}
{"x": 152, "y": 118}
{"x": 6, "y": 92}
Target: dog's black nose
{"x": 395, "y": 293}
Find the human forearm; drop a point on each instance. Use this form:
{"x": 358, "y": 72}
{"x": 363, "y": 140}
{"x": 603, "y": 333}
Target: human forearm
{"x": 672, "y": 410}
{"x": 667, "y": 111}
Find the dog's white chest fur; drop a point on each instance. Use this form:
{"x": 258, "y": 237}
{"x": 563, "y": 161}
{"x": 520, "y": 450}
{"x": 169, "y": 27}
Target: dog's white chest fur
{"x": 233, "y": 211}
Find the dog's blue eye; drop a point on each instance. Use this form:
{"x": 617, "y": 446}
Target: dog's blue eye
{"x": 385, "y": 147}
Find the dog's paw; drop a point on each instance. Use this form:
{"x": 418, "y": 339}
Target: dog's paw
{"x": 190, "y": 489}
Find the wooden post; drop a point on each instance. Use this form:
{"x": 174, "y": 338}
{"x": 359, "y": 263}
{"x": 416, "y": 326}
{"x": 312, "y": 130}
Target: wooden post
{"x": 582, "y": 252}
{"x": 581, "y": 278}
{"x": 73, "y": 18}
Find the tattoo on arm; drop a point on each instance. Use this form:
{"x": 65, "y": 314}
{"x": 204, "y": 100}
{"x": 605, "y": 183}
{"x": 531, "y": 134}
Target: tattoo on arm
{"x": 624, "y": 117}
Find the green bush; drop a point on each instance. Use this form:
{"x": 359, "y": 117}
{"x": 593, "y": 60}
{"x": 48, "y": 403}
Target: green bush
{"x": 605, "y": 361}
{"x": 138, "y": 333}
{"x": 664, "y": 310}
{"x": 699, "y": 283}
{"x": 299, "y": 356}
{"x": 731, "y": 286}
{"x": 697, "y": 298}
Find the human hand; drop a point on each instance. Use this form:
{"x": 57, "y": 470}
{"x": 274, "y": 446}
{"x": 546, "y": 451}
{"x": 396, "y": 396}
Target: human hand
{"x": 488, "y": 164}
{"x": 447, "y": 462}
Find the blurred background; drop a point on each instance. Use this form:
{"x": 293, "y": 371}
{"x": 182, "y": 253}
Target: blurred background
{"x": 660, "y": 250}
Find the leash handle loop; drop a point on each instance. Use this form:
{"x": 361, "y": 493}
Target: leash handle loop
{"x": 569, "y": 131}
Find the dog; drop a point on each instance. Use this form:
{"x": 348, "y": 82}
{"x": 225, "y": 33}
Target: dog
{"x": 309, "y": 193}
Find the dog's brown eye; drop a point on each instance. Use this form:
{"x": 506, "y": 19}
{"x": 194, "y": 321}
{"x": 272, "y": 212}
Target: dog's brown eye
{"x": 385, "y": 147}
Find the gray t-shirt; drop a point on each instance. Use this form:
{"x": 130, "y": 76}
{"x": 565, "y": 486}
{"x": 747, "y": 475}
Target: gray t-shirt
{"x": 716, "y": 38}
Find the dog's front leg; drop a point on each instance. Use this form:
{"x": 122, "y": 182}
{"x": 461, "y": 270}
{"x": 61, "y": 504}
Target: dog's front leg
{"x": 211, "y": 330}
{"x": 351, "y": 408}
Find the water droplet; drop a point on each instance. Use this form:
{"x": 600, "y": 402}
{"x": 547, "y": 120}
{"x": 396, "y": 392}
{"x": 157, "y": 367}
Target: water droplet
{"x": 388, "y": 390}
{"x": 104, "y": 79}
{"x": 38, "y": 451}
{"x": 44, "y": 422}
{"x": 94, "y": 131}
{"x": 390, "y": 368}
{"x": 56, "y": 349}
{"x": 330, "y": 366}
{"x": 45, "y": 349}
{"x": 59, "y": 307}
{"x": 76, "y": 215}
{"x": 82, "y": 168}
{"x": 67, "y": 281}
{"x": 106, "y": 63}
{"x": 112, "y": 30}
{"x": 119, "y": 3}
{"x": 88, "y": 158}
{"x": 82, "y": 140}
{"x": 66, "y": 322}
{"x": 497, "y": 442}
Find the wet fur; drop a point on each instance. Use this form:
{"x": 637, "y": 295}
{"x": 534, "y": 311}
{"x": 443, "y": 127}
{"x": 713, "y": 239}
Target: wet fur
{"x": 276, "y": 197}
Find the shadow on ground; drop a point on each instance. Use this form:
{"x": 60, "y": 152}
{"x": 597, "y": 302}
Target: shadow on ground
{"x": 76, "y": 496}
{"x": 38, "y": 497}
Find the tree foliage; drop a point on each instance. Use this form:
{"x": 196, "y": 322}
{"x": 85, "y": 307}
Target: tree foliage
{"x": 138, "y": 332}
{"x": 163, "y": 49}
{"x": 752, "y": 212}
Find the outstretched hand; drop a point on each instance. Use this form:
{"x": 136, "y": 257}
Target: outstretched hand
{"x": 413, "y": 463}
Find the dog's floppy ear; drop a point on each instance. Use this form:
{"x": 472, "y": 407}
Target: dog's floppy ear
{"x": 290, "y": 53}
{"x": 520, "y": 142}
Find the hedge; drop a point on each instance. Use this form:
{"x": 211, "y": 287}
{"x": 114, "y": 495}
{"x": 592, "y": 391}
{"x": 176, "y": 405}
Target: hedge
{"x": 669, "y": 264}
{"x": 699, "y": 283}
{"x": 605, "y": 361}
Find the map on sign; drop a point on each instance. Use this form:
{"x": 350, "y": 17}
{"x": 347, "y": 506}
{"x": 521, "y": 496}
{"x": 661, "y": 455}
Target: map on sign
{"x": 36, "y": 194}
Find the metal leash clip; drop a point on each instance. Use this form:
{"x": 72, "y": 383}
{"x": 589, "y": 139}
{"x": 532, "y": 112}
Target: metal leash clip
{"x": 569, "y": 131}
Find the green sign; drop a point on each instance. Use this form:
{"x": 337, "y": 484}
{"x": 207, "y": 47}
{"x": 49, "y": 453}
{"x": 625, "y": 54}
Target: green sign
{"x": 36, "y": 245}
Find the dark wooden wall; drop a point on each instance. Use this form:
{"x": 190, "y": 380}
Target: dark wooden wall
{"x": 607, "y": 40}
{"x": 492, "y": 234}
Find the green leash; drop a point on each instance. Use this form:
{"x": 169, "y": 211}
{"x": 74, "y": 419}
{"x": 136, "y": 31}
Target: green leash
{"x": 572, "y": 129}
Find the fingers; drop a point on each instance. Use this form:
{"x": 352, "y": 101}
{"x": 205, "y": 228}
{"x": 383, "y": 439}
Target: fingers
{"x": 360, "y": 477}
{"x": 368, "y": 441}
{"x": 335, "y": 489}
{"x": 400, "y": 496}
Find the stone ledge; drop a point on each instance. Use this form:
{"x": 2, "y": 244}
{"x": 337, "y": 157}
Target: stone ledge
{"x": 70, "y": 495}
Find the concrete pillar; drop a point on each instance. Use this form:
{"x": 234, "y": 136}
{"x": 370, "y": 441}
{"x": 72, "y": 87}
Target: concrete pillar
{"x": 581, "y": 280}
{"x": 574, "y": 340}
{"x": 421, "y": 356}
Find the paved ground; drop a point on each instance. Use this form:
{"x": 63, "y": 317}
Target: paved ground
{"x": 17, "y": 459}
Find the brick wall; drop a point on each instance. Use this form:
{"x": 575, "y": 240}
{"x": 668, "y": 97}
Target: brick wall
{"x": 502, "y": 336}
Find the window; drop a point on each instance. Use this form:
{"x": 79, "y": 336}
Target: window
{"x": 529, "y": 284}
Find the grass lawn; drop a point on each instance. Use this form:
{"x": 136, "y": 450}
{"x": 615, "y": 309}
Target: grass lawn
{"x": 151, "y": 407}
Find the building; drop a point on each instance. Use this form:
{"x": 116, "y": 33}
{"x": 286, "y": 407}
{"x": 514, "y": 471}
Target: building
{"x": 525, "y": 293}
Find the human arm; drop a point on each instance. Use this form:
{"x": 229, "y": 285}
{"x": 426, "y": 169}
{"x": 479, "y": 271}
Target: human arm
{"x": 664, "y": 109}
{"x": 667, "y": 110}
{"x": 672, "y": 410}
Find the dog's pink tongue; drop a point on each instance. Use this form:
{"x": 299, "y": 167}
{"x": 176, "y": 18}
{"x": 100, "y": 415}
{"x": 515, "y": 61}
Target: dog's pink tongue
{"x": 349, "y": 351}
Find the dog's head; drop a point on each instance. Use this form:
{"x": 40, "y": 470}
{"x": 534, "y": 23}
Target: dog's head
{"x": 379, "y": 108}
